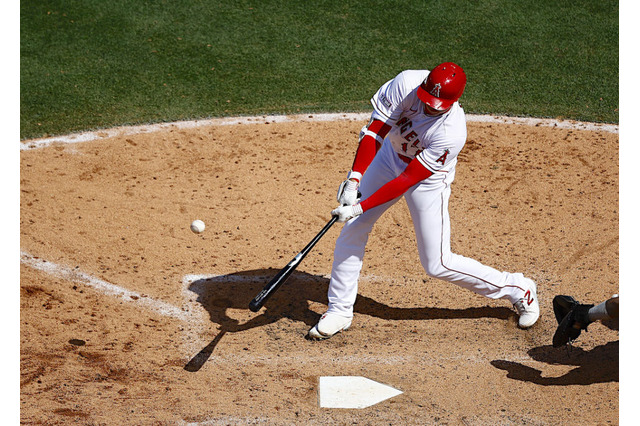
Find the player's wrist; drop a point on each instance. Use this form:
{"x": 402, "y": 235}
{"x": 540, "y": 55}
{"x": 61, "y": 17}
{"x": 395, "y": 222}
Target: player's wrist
{"x": 353, "y": 175}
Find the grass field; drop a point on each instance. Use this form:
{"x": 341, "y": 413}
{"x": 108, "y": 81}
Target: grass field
{"x": 89, "y": 64}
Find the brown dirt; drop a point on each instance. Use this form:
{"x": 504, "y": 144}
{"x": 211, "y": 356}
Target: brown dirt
{"x": 537, "y": 200}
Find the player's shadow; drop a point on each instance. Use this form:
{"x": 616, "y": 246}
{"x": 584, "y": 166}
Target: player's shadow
{"x": 219, "y": 294}
{"x": 598, "y": 365}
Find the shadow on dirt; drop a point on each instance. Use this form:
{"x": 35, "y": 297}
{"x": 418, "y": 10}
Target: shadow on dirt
{"x": 599, "y": 365}
{"x": 235, "y": 291}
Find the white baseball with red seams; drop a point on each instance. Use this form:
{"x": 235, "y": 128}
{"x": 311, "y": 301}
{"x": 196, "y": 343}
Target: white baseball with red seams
{"x": 435, "y": 141}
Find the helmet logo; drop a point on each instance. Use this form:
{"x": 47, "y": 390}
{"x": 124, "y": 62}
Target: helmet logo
{"x": 436, "y": 90}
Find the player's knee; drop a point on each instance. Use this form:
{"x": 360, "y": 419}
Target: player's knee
{"x": 434, "y": 269}
{"x": 440, "y": 266}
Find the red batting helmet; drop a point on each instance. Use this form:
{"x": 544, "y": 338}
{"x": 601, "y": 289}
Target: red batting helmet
{"x": 443, "y": 86}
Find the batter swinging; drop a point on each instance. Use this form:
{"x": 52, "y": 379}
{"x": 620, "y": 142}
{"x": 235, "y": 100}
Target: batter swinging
{"x": 410, "y": 148}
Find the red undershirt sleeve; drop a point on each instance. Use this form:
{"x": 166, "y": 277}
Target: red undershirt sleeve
{"x": 369, "y": 146}
{"x": 414, "y": 173}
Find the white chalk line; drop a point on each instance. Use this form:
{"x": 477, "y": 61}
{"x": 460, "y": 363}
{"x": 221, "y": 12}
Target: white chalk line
{"x": 77, "y": 276}
{"x": 178, "y": 125}
{"x": 323, "y": 359}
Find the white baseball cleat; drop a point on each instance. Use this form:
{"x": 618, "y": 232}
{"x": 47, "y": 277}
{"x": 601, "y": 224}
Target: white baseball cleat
{"x": 329, "y": 325}
{"x": 528, "y": 307}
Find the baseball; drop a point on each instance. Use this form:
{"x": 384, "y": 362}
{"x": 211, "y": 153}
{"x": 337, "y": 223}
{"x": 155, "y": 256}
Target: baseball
{"x": 197, "y": 226}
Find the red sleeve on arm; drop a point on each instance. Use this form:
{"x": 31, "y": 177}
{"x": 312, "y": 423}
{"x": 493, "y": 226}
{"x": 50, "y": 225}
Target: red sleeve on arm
{"x": 369, "y": 146}
{"x": 414, "y": 173}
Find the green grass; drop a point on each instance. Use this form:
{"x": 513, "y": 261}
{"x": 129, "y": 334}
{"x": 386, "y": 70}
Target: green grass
{"x": 92, "y": 64}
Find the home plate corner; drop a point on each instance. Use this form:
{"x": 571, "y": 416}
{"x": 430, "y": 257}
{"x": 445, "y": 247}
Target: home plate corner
{"x": 352, "y": 392}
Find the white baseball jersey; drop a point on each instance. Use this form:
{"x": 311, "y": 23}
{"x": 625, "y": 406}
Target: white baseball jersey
{"x": 435, "y": 141}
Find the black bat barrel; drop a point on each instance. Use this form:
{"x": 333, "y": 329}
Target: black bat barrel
{"x": 285, "y": 272}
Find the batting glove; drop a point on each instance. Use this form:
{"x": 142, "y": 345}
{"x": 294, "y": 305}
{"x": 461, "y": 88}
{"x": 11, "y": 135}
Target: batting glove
{"x": 348, "y": 190}
{"x": 345, "y": 213}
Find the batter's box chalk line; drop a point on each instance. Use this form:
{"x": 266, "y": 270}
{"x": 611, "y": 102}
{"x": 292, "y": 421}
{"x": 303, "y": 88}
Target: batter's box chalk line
{"x": 101, "y": 286}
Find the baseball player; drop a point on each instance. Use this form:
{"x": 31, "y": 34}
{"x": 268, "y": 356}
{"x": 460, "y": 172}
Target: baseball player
{"x": 410, "y": 147}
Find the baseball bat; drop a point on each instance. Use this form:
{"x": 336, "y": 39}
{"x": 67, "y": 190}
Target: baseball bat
{"x": 285, "y": 272}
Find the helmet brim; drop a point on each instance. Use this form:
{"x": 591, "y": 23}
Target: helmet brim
{"x": 432, "y": 101}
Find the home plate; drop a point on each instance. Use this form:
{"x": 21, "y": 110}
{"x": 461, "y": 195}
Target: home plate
{"x": 352, "y": 392}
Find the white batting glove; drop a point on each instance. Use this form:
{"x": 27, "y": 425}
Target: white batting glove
{"x": 348, "y": 190}
{"x": 345, "y": 213}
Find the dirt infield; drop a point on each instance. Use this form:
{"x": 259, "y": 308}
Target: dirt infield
{"x": 127, "y": 317}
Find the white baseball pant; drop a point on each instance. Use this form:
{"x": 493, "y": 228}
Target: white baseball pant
{"x": 428, "y": 204}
